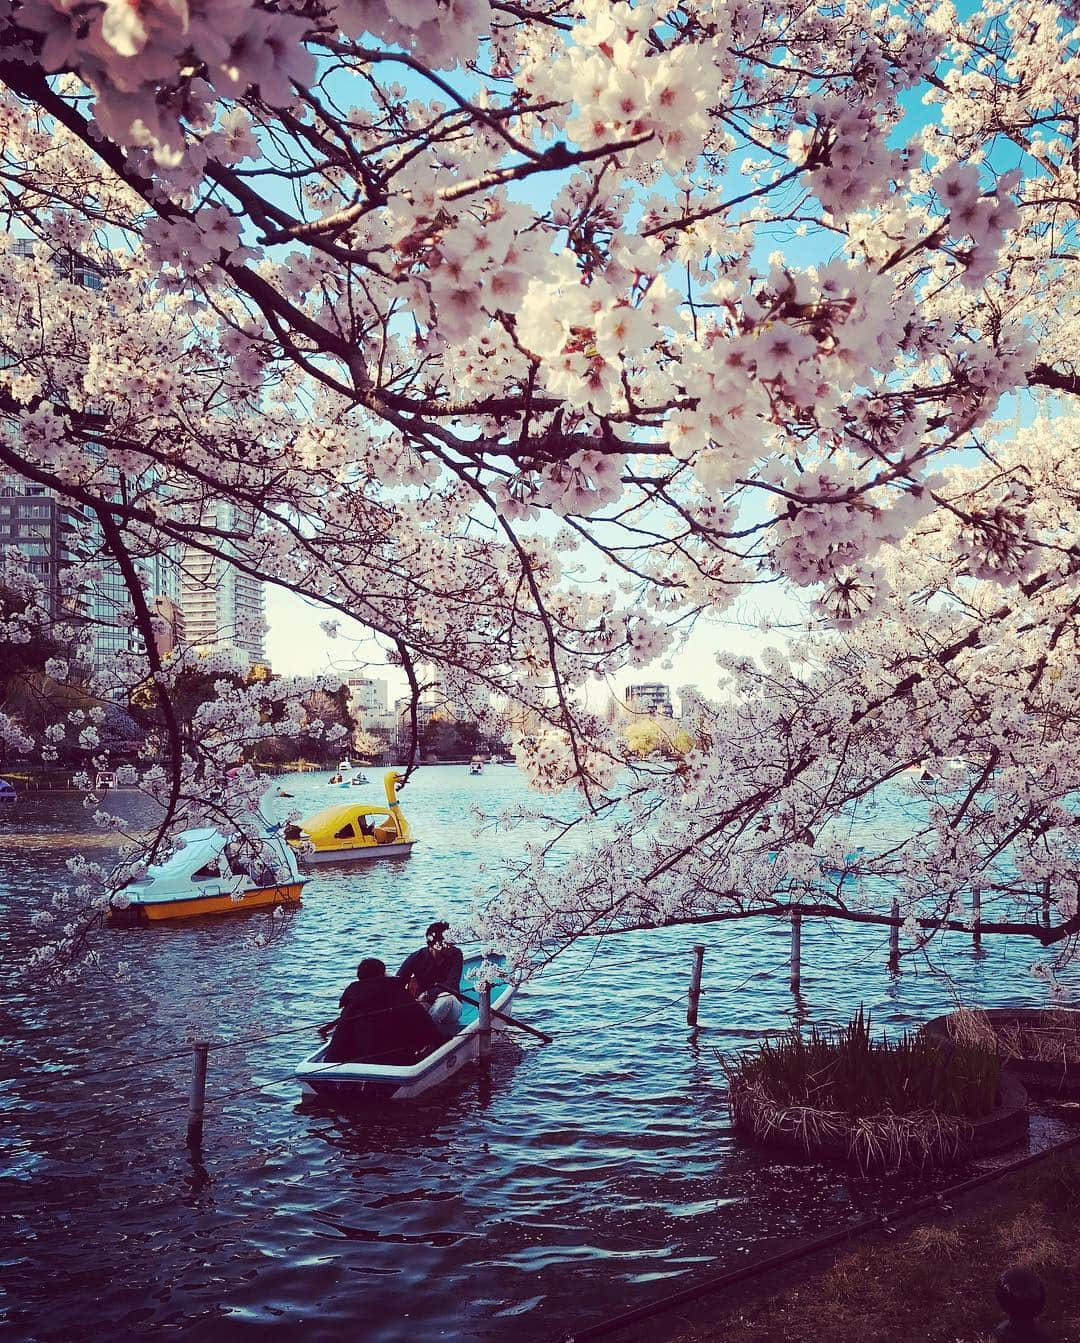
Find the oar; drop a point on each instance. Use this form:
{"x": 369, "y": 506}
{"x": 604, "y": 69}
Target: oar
{"x": 503, "y": 1016}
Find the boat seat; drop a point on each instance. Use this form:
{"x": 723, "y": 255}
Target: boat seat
{"x": 385, "y": 834}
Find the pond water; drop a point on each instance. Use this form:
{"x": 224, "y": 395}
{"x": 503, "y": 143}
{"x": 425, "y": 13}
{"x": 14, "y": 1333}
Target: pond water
{"x": 576, "y": 1180}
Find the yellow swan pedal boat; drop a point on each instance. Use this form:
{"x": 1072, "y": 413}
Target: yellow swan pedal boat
{"x": 355, "y": 832}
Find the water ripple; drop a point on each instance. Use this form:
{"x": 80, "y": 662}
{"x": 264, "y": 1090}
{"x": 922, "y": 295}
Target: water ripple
{"x": 573, "y": 1181}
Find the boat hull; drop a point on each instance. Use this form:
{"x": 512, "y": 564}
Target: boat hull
{"x": 350, "y": 1083}
{"x": 198, "y": 906}
{"x": 366, "y": 854}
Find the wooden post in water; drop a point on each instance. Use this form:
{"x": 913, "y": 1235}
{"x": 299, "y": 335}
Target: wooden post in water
{"x": 1046, "y": 903}
{"x": 484, "y": 1019}
{"x": 894, "y": 938}
{"x": 197, "y": 1095}
{"x": 976, "y": 918}
{"x": 796, "y": 950}
{"x": 695, "y": 986}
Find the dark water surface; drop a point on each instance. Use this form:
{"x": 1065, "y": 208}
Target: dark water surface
{"x": 578, "y": 1179}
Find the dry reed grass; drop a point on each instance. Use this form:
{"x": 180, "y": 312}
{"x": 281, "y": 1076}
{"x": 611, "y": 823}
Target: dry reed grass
{"x": 880, "y": 1103}
{"x": 1054, "y": 1039}
{"x": 874, "y": 1142}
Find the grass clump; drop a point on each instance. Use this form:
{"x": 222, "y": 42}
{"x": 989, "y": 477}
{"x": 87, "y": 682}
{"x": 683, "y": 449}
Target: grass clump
{"x": 847, "y": 1070}
{"x": 1053, "y": 1038}
{"x": 880, "y": 1102}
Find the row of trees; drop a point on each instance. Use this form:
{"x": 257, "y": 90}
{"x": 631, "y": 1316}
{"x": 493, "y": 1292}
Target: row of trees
{"x": 55, "y": 709}
{"x": 529, "y": 335}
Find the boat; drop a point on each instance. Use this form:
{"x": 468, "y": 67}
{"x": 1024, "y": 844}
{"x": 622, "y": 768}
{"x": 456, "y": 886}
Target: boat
{"x": 209, "y": 872}
{"x": 344, "y": 766}
{"x": 476, "y": 766}
{"x": 352, "y": 832}
{"x": 8, "y": 792}
{"x": 375, "y": 1081}
{"x": 104, "y": 780}
{"x": 359, "y": 780}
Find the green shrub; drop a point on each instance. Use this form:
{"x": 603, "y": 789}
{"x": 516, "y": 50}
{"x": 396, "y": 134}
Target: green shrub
{"x": 845, "y": 1070}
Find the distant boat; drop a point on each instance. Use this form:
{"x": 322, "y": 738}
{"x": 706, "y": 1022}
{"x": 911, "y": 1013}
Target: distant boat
{"x": 7, "y": 792}
{"x": 477, "y": 765}
{"x": 354, "y": 831}
{"x": 947, "y": 770}
{"x": 104, "y": 780}
{"x": 372, "y": 1081}
{"x": 359, "y": 780}
{"x": 345, "y": 766}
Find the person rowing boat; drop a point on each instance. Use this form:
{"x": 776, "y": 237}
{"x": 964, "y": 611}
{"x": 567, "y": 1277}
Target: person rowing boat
{"x": 432, "y": 975}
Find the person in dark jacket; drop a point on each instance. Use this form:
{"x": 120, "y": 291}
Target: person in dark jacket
{"x": 381, "y": 1022}
{"x": 433, "y": 970}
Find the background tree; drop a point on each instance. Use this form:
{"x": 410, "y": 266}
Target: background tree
{"x": 652, "y": 736}
{"x": 448, "y": 739}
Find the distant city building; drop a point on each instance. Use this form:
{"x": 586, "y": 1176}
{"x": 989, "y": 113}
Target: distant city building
{"x": 68, "y": 264}
{"x": 441, "y": 698}
{"x": 368, "y": 695}
{"x": 651, "y": 697}
{"x": 425, "y": 712}
{"x": 223, "y": 607}
{"x": 56, "y": 535}
{"x": 169, "y": 618}
{"x": 369, "y": 704}
{"x": 109, "y": 606}
{"x": 45, "y": 529}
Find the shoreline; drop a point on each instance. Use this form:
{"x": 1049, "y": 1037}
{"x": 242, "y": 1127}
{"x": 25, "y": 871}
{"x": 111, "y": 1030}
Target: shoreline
{"x": 834, "y": 1289}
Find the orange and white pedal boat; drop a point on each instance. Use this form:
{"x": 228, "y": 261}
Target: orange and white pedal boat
{"x": 209, "y": 872}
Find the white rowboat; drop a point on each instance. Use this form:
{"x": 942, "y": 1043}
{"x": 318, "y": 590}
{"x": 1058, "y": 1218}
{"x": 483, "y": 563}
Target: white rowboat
{"x": 374, "y": 1081}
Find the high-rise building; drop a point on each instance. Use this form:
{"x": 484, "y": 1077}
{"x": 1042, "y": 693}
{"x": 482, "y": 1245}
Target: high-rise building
{"x": 650, "y": 697}
{"x": 369, "y": 700}
{"x": 44, "y": 528}
{"x": 57, "y": 535}
{"x": 449, "y": 697}
{"x": 368, "y": 694}
{"x": 224, "y": 608}
{"x": 67, "y": 263}
{"x": 110, "y": 606}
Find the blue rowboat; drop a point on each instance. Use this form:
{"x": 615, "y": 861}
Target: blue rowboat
{"x": 347, "y": 1082}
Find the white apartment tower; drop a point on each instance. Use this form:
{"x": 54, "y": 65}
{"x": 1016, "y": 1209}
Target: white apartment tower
{"x": 650, "y": 697}
{"x": 224, "y": 608}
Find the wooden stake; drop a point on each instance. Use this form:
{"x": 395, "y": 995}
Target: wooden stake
{"x": 484, "y": 1019}
{"x": 976, "y": 916}
{"x": 197, "y": 1095}
{"x": 796, "y": 950}
{"x": 1046, "y": 903}
{"x": 499, "y": 1016}
{"x": 894, "y": 938}
{"x": 695, "y": 986}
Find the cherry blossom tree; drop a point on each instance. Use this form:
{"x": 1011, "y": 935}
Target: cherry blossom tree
{"x": 525, "y": 334}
